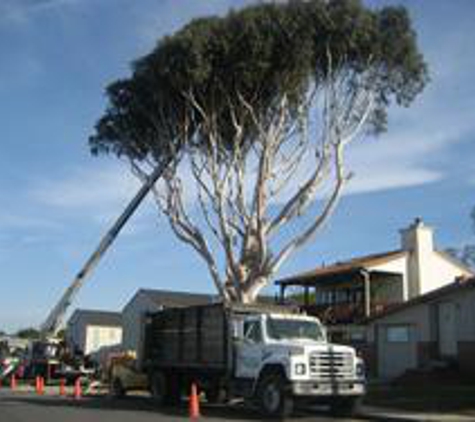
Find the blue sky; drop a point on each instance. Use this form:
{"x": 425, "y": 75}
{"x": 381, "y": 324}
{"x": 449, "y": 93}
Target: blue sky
{"x": 57, "y": 201}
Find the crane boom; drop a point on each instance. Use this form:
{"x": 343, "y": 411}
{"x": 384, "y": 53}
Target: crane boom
{"x": 53, "y": 322}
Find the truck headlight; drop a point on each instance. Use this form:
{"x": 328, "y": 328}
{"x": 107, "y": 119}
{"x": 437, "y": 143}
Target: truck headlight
{"x": 300, "y": 369}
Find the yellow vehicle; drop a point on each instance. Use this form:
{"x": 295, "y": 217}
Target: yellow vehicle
{"x": 122, "y": 375}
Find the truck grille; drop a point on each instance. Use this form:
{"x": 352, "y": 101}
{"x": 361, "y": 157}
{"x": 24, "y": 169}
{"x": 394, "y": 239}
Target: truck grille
{"x": 331, "y": 365}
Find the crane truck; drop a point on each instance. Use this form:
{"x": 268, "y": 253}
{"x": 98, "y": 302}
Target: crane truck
{"x": 44, "y": 356}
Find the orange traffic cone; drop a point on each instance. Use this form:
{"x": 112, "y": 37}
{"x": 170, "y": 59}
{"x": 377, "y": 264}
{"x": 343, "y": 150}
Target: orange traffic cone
{"x": 41, "y": 386}
{"x": 194, "y": 404}
{"x": 77, "y": 389}
{"x": 13, "y": 382}
{"x": 62, "y": 387}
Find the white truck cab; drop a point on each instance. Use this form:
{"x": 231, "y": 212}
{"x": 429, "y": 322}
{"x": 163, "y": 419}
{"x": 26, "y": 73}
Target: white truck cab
{"x": 295, "y": 351}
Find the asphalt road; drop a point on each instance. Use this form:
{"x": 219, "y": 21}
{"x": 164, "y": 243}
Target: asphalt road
{"x": 26, "y": 407}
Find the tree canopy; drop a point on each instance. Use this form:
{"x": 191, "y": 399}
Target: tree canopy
{"x": 466, "y": 253}
{"x": 261, "y": 54}
{"x": 259, "y": 106}
{"x": 28, "y": 333}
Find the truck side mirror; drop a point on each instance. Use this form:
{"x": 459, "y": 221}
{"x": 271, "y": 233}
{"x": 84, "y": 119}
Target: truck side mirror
{"x": 325, "y": 332}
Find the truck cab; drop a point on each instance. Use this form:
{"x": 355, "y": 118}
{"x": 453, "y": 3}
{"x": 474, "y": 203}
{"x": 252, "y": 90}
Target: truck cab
{"x": 288, "y": 356}
{"x": 42, "y": 358}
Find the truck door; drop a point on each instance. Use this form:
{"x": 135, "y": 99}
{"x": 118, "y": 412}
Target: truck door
{"x": 249, "y": 349}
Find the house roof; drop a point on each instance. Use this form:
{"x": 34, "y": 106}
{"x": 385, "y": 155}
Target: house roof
{"x": 169, "y": 299}
{"x": 462, "y": 283}
{"x": 351, "y": 266}
{"x": 96, "y": 317}
{"x": 174, "y": 299}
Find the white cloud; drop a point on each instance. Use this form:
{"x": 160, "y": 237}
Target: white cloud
{"x": 20, "y": 11}
{"x": 95, "y": 194}
{"x": 384, "y": 178}
{"x": 87, "y": 188}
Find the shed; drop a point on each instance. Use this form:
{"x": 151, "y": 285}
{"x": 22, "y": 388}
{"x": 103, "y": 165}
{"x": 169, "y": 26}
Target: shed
{"x": 89, "y": 330}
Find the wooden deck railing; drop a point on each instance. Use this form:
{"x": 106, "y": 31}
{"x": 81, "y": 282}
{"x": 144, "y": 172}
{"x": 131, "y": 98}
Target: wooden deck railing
{"x": 344, "y": 313}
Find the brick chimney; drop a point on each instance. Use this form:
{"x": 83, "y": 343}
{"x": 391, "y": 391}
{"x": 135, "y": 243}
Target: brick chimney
{"x": 418, "y": 240}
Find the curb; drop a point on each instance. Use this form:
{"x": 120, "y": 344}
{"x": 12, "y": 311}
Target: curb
{"x": 388, "y": 414}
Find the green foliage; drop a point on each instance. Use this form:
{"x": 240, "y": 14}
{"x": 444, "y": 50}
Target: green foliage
{"x": 61, "y": 334}
{"x": 261, "y": 53}
{"x": 466, "y": 253}
{"x": 28, "y": 333}
{"x": 299, "y": 297}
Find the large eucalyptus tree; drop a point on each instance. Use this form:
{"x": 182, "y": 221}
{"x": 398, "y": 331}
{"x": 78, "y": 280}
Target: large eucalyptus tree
{"x": 252, "y": 113}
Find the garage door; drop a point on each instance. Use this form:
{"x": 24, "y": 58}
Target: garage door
{"x": 397, "y": 349}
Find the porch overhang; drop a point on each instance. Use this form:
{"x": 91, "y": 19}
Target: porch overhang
{"x": 348, "y": 275}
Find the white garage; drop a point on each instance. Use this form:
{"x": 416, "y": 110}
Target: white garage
{"x": 435, "y": 328}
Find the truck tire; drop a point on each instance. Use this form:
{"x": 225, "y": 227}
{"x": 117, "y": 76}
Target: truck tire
{"x": 345, "y": 406}
{"x": 272, "y": 396}
{"x": 158, "y": 388}
{"x": 117, "y": 389}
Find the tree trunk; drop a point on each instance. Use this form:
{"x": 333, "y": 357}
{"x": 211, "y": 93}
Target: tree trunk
{"x": 249, "y": 294}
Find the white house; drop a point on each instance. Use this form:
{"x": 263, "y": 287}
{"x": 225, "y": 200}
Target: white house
{"x": 345, "y": 293}
{"x": 432, "y": 330}
{"x": 148, "y": 301}
{"x": 423, "y": 267}
{"x": 88, "y": 331}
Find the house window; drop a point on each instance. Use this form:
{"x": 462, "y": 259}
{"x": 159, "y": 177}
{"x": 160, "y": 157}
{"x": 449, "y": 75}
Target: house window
{"x": 398, "y": 334}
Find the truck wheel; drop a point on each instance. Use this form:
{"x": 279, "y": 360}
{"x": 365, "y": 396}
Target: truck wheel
{"x": 158, "y": 388}
{"x": 117, "y": 389}
{"x": 273, "y": 398}
{"x": 345, "y": 406}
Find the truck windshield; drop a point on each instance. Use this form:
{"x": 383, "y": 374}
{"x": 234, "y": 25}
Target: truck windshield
{"x": 278, "y": 329}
